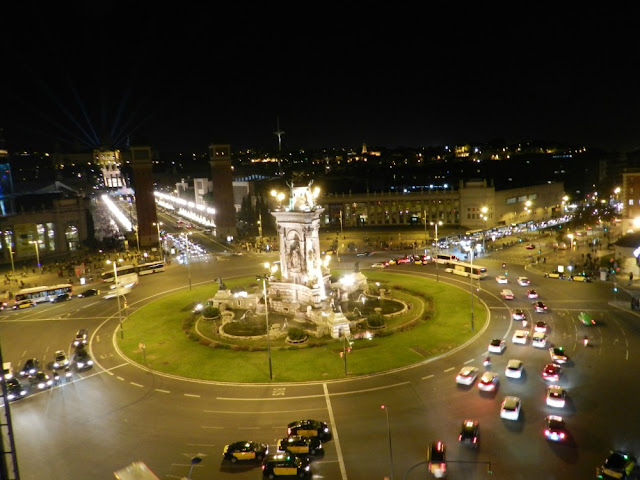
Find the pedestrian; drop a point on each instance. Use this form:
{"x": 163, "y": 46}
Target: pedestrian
{"x": 630, "y": 278}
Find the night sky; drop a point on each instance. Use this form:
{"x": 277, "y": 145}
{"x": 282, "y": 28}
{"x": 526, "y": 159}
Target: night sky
{"x": 179, "y": 79}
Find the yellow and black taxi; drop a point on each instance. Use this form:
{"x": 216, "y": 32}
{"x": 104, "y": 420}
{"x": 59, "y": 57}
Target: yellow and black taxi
{"x": 309, "y": 428}
{"x": 286, "y": 464}
{"x": 245, "y": 450}
{"x": 299, "y": 445}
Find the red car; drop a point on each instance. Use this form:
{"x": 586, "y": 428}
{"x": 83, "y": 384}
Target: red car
{"x": 551, "y": 372}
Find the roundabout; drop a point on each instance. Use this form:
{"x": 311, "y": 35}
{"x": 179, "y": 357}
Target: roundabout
{"x": 435, "y": 320}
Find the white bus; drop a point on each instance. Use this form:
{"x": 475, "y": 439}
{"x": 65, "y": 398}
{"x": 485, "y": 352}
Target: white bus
{"x": 467, "y": 270}
{"x": 43, "y": 293}
{"x": 446, "y": 258}
{"x": 151, "y": 267}
{"x": 127, "y": 275}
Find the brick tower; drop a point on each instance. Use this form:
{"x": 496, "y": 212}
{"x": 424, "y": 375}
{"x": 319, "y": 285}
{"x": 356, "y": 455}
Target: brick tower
{"x": 220, "y": 161}
{"x": 145, "y": 200}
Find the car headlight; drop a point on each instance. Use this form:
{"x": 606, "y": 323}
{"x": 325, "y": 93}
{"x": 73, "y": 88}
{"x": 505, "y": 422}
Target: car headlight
{"x": 90, "y": 362}
{"x": 41, "y": 385}
{"x": 80, "y": 364}
{"x": 11, "y": 396}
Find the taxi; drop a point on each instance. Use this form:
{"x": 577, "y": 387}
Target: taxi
{"x": 309, "y": 428}
{"x": 554, "y": 274}
{"x": 245, "y": 450}
{"x": 299, "y": 445}
{"x": 24, "y": 304}
{"x": 288, "y": 464}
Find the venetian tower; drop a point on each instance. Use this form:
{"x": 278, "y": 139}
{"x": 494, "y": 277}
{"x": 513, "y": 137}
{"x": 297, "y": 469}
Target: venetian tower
{"x": 145, "y": 199}
{"x": 222, "y": 179}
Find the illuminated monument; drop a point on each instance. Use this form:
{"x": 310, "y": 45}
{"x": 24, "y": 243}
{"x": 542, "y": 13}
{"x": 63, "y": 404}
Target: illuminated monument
{"x": 303, "y": 288}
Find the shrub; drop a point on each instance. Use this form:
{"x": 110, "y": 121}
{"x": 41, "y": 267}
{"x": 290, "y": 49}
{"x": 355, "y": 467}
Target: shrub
{"x": 376, "y": 320}
{"x": 211, "y": 312}
{"x": 295, "y": 333}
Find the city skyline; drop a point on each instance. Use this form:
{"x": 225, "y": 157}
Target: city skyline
{"x": 179, "y": 80}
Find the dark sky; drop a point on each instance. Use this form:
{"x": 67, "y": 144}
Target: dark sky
{"x": 182, "y": 78}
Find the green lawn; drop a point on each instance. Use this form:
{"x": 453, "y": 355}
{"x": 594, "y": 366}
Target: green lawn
{"x": 160, "y": 327}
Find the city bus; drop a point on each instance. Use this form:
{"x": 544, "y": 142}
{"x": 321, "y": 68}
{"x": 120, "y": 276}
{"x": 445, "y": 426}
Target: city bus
{"x": 466, "y": 270}
{"x": 151, "y": 267}
{"x": 446, "y": 258}
{"x": 43, "y": 293}
{"x": 127, "y": 274}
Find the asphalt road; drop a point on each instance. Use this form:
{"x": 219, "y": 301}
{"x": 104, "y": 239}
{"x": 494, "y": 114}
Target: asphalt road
{"x": 117, "y": 412}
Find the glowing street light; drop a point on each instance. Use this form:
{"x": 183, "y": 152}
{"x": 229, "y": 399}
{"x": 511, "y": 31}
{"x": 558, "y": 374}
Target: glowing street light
{"x": 117, "y": 287}
{"x": 36, "y": 244}
{"x": 437, "y": 245}
{"x": 386, "y": 411}
{"x": 157, "y": 225}
{"x": 484, "y": 211}
{"x": 264, "y": 279}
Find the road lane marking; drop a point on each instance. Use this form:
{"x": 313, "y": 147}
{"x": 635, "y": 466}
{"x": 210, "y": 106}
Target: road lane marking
{"x": 334, "y": 432}
{"x": 162, "y": 391}
{"x": 428, "y": 377}
{"x": 449, "y": 369}
{"x": 191, "y": 395}
{"x": 136, "y": 384}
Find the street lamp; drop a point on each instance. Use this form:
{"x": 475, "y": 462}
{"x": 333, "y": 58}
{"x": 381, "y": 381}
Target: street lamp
{"x": 157, "y": 225}
{"x": 36, "y": 244}
{"x": 437, "y": 245}
{"x": 188, "y": 257}
{"x": 194, "y": 461}
{"x": 471, "y": 286}
{"x": 117, "y": 287}
{"x": 13, "y": 267}
{"x": 386, "y": 411}
{"x": 264, "y": 279}
{"x": 484, "y": 211}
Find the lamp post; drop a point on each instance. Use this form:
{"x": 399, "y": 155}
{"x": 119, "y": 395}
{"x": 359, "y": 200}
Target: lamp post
{"x": 194, "y": 461}
{"x": 266, "y": 314}
{"x": 157, "y": 225}
{"x": 437, "y": 245}
{"x": 188, "y": 256}
{"x": 471, "y": 286}
{"x": 386, "y": 411}
{"x": 36, "y": 244}
{"x": 117, "y": 287}
{"x": 484, "y": 211}
{"x": 13, "y": 267}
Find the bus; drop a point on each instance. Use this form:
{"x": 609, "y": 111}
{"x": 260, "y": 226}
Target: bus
{"x": 43, "y": 293}
{"x": 446, "y": 258}
{"x": 151, "y": 267}
{"x": 465, "y": 269}
{"x": 127, "y": 274}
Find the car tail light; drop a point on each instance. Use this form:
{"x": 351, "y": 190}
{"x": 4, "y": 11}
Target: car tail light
{"x": 547, "y": 432}
{"x": 475, "y": 439}
{"x": 460, "y": 437}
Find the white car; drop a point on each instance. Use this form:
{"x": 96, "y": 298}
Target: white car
{"x": 531, "y": 293}
{"x": 467, "y": 375}
{"x": 523, "y": 281}
{"x": 518, "y": 314}
{"x": 520, "y": 336}
{"x": 556, "y": 396}
{"x": 488, "y": 381}
{"x": 540, "y": 326}
{"x": 497, "y": 345}
{"x": 539, "y": 339}
{"x": 60, "y": 359}
{"x": 510, "y": 408}
{"x": 514, "y": 368}
{"x": 379, "y": 265}
{"x": 502, "y": 279}
{"x": 506, "y": 294}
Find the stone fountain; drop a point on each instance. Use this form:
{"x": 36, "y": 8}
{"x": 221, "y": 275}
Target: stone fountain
{"x": 303, "y": 288}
